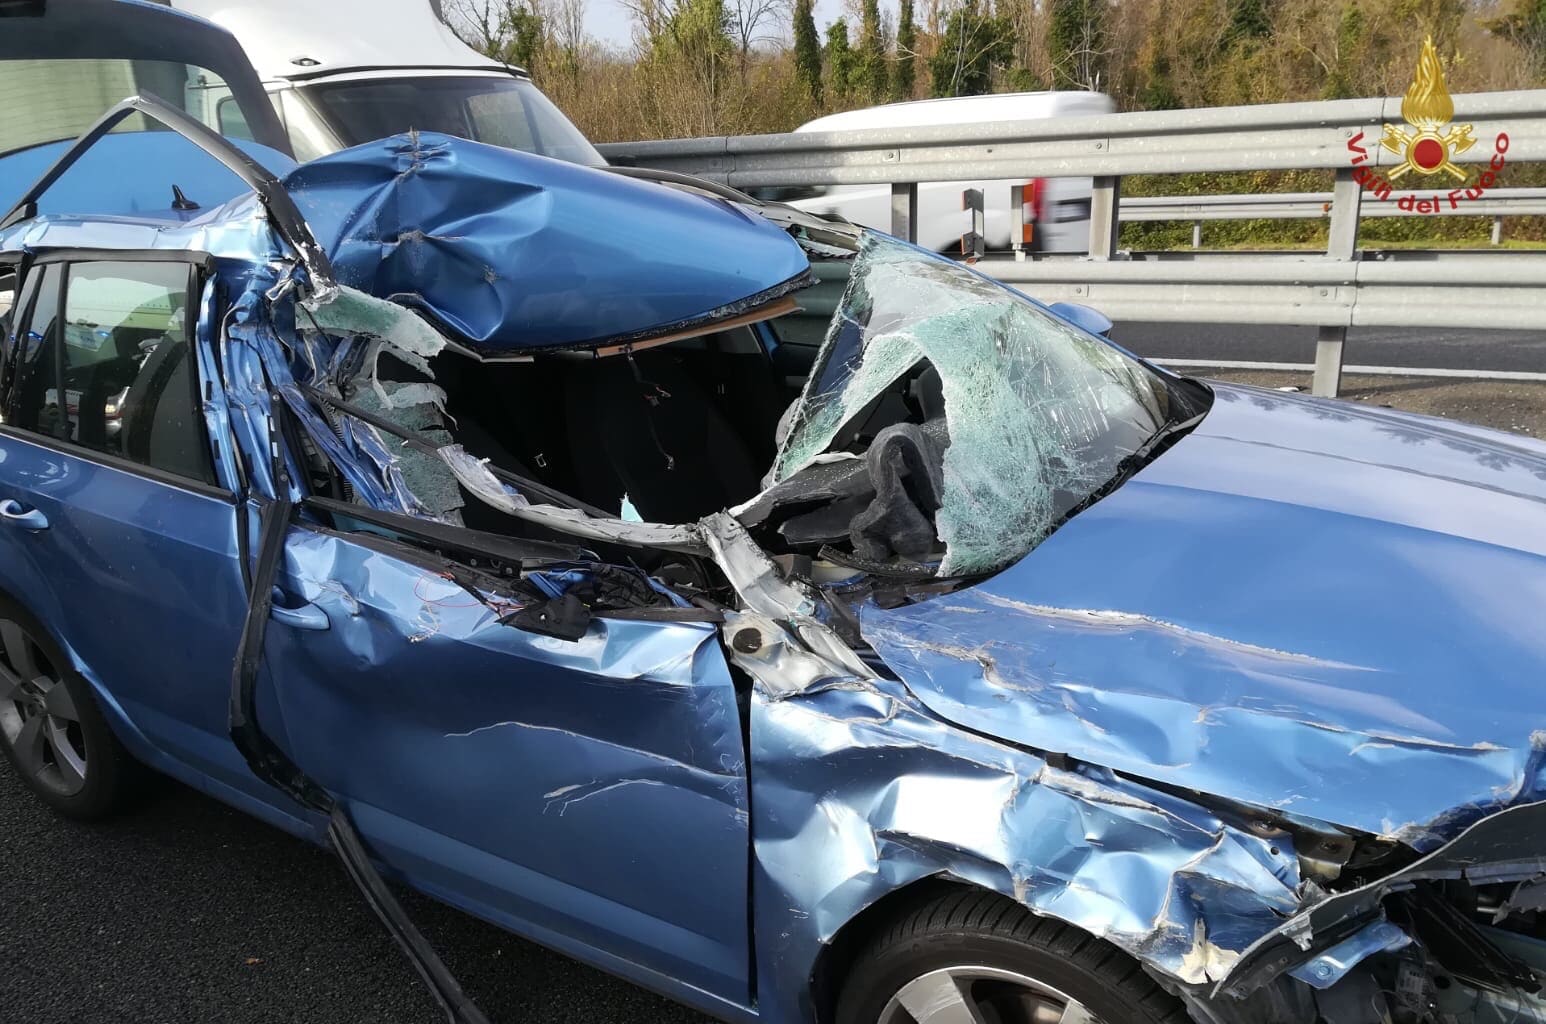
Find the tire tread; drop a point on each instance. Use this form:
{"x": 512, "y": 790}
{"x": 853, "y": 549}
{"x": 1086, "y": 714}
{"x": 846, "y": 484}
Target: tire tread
{"x": 979, "y": 912}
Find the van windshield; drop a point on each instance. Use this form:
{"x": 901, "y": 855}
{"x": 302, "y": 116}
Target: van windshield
{"x": 53, "y": 100}
{"x": 508, "y": 112}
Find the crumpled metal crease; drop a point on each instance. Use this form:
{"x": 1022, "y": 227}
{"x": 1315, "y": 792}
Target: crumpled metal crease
{"x": 510, "y": 252}
{"x": 901, "y": 797}
{"x": 1187, "y": 708}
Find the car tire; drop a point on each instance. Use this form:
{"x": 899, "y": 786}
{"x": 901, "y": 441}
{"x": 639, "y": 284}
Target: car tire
{"x": 52, "y": 730}
{"x": 977, "y": 956}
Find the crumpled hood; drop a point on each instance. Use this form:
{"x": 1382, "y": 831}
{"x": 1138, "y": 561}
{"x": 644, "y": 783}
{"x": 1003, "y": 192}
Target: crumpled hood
{"x": 1304, "y": 605}
{"x": 510, "y": 252}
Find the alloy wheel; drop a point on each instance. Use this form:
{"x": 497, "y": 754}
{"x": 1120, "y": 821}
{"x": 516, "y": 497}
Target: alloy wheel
{"x": 38, "y": 717}
{"x": 982, "y": 995}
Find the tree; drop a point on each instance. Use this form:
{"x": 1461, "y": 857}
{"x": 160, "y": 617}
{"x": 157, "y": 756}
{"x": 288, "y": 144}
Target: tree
{"x": 1076, "y": 37}
{"x": 807, "y": 49}
{"x": 973, "y": 44}
{"x": 523, "y": 36}
{"x": 870, "y": 55}
{"x": 1525, "y": 26}
{"x": 1248, "y": 20}
{"x": 840, "y": 60}
{"x": 906, "y": 53}
{"x": 1350, "y": 31}
{"x": 746, "y": 20}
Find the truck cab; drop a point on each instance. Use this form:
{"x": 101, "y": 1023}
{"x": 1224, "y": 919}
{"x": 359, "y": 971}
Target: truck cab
{"x": 347, "y": 72}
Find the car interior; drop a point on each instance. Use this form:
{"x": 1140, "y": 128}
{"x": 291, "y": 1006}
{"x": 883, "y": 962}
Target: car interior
{"x": 675, "y": 432}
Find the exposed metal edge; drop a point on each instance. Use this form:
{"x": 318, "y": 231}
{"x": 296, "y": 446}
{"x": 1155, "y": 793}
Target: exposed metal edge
{"x": 1376, "y": 371}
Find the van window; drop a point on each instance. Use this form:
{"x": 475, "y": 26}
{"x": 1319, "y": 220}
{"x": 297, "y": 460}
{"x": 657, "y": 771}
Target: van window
{"x": 117, "y": 375}
{"x": 230, "y": 120}
{"x": 62, "y": 98}
{"x": 509, "y": 112}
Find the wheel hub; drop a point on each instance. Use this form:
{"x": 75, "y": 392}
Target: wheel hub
{"x": 973, "y": 994}
{"x": 38, "y": 717}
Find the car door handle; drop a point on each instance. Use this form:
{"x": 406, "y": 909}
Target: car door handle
{"x": 305, "y": 616}
{"x": 13, "y": 513}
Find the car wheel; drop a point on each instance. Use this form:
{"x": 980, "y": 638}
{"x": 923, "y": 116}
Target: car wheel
{"x": 52, "y": 731}
{"x": 979, "y": 958}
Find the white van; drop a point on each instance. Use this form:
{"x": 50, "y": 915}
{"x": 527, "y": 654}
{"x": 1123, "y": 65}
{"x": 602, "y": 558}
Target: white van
{"x": 343, "y": 72}
{"x": 1060, "y": 206}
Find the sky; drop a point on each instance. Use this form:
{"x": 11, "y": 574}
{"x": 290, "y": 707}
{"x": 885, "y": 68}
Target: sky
{"x": 611, "y": 23}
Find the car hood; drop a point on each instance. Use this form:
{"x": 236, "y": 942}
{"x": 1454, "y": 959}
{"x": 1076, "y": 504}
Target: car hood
{"x": 1310, "y": 606}
{"x": 511, "y": 253}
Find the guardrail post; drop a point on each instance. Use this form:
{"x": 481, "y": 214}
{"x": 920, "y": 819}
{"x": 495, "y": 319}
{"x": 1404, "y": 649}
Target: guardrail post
{"x": 1104, "y": 225}
{"x": 1017, "y": 232}
{"x": 1497, "y": 231}
{"x": 974, "y": 242}
{"x": 904, "y": 210}
{"x": 1341, "y": 244}
{"x": 1196, "y": 234}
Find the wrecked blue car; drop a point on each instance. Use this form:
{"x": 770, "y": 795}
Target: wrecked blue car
{"x": 564, "y": 546}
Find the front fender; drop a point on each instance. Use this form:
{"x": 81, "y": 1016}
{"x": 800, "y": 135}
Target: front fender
{"x": 900, "y": 795}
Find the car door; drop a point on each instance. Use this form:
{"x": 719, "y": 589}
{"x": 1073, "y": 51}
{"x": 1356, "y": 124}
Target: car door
{"x": 589, "y": 793}
{"x": 115, "y": 528}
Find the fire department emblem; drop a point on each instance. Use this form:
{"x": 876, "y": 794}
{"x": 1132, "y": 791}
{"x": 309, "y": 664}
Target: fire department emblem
{"x": 1431, "y": 143}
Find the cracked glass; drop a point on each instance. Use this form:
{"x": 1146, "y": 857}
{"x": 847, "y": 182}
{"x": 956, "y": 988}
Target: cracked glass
{"x": 1040, "y": 415}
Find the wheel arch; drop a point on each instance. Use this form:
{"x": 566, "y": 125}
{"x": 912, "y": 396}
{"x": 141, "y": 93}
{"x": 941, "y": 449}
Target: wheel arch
{"x": 118, "y": 720}
{"x": 835, "y": 957}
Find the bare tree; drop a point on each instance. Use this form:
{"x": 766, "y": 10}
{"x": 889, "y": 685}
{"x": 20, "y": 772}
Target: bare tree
{"x": 480, "y": 23}
{"x": 752, "y": 21}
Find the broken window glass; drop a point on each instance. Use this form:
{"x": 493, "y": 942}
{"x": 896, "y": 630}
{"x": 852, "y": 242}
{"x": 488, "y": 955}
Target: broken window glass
{"x": 1037, "y": 415}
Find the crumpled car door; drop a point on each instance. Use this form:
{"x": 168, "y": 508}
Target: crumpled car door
{"x": 556, "y": 784}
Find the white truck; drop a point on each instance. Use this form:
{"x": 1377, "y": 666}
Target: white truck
{"x": 344, "y": 72}
{"x": 1057, "y": 209}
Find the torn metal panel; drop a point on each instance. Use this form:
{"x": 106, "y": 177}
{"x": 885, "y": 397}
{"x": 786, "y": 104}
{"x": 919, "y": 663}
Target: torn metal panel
{"x": 457, "y": 739}
{"x": 1342, "y": 651}
{"x": 1039, "y": 414}
{"x": 1509, "y": 846}
{"x": 215, "y": 403}
{"x": 482, "y": 483}
{"x": 510, "y": 252}
{"x": 859, "y": 790}
{"x": 1331, "y": 965}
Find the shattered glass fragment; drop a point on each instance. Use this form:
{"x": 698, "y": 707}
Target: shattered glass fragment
{"x": 408, "y": 335}
{"x": 414, "y": 407}
{"x": 1039, "y": 414}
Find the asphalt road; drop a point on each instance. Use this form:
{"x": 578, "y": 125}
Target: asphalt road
{"x": 187, "y": 912}
{"x": 1366, "y": 346}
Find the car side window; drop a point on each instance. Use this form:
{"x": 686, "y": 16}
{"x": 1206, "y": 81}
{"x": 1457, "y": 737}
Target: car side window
{"x": 117, "y": 374}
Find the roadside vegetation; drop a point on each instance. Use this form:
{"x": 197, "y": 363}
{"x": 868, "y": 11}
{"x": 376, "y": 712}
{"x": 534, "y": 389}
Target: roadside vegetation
{"x": 735, "y": 67}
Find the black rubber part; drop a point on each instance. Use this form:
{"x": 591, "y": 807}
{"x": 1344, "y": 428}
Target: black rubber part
{"x": 114, "y": 779}
{"x": 971, "y": 926}
{"x": 459, "y": 1009}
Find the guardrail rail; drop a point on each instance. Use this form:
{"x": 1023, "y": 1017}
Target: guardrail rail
{"x": 1340, "y": 288}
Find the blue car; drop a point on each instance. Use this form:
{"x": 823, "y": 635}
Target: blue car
{"x": 772, "y": 613}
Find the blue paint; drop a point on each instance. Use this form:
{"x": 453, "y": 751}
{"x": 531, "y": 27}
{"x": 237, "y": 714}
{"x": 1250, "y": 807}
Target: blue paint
{"x": 509, "y": 251}
{"x": 131, "y": 174}
{"x": 1303, "y": 595}
{"x": 1282, "y": 610}
{"x": 559, "y": 761}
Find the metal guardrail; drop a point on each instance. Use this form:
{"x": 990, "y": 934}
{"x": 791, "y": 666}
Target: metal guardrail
{"x": 1498, "y": 203}
{"x": 1333, "y": 291}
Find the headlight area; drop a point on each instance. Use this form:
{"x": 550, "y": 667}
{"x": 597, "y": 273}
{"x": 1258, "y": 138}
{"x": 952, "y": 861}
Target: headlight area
{"x": 1389, "y": 934}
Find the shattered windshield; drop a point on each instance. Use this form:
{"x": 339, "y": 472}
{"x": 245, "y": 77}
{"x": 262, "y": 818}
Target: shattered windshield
{"x": 1038, "y": 415}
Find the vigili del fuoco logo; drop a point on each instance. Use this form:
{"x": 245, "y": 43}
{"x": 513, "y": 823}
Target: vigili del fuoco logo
{"x": 1427, "y": 146}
